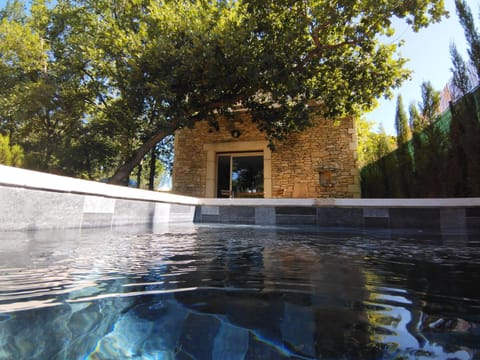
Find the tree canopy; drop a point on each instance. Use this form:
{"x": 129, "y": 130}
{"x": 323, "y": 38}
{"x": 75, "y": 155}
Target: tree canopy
{"x": 109, "y": 79}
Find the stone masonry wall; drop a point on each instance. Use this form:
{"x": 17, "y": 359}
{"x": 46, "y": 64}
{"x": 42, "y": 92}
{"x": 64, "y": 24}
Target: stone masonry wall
{"x": 190, "y": 166}
{"x": 329, "y": 148}
{"x": 319, "y": 162}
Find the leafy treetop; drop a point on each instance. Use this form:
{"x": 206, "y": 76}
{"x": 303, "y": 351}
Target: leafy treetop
{"x": 148, "y": 67}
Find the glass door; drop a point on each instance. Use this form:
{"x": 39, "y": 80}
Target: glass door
{"x": 240, "y": 175}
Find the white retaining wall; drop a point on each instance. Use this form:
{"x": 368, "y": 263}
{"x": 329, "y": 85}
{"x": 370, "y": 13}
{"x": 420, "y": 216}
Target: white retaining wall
{"x": 31, "y": 200}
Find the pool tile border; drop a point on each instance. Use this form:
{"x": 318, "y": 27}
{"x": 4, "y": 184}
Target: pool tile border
{"x": 31, "y": 200}
{"x": 444, "y": 220}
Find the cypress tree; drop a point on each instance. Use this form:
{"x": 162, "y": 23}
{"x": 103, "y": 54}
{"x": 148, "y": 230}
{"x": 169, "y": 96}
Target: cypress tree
{"x": 473, "y": 38}
{"x": 430, "y": 105}
{"x": 414, "y": 119}
{"x": 461, "y": 79}
{"x": 401, "y": 123}
{"x": 466, "y": 115}
{"x": 403, "y": 158}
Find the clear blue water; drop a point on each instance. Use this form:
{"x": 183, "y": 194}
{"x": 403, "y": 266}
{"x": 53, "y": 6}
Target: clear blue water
{"x": 237, "y": 292}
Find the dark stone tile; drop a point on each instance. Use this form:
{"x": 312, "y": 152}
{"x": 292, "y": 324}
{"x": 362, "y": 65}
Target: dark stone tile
{"x": 258, "y": 349}
{"x": 452, "y": 221}
{"x": 298, "y": 329}
{"x": 210, "y": 210}
{"x": 295, "y": 210}
{"x": 237, "y": 214}
{"x": 472, "y": 212}
{"x": 415, "y": 218}
{"x": 473, "y": 225}
{"x": 265, "y": 216}
{"x": 198, "y": 335}
{"x": 376, "y": 222}
{"x": 209, "y": 219}
{"x": 296, "y": 219}
{"x": 375, "y": 212}
{"x": 231, "y": 342}
{"x": 340, "y": 217}
{"x": 296, "y": 215}
{"x": 204, "y": 214}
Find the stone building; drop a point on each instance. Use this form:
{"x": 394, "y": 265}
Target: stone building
{"x": 235, "y": 161}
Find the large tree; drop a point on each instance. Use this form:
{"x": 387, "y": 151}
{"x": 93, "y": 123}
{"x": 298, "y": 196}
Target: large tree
{"x": 44, "y": 98}
{"x": 272, "y": 58}
{"x": 153, "y": 66}
{"x": 22, "y": 59}
{"x": 47, "y": 101}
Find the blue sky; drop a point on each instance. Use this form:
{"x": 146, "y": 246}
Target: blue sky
{"x": 429, "y": 58}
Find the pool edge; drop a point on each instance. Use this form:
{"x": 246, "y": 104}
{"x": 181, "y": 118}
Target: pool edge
{"x": 33, "y": 200}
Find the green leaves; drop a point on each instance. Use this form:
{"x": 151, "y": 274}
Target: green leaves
{"x": 145, "y": 67}
{"x": 21, "y": 49}
{"x": 372, "y": 145}
{"x": 11, "y": 155}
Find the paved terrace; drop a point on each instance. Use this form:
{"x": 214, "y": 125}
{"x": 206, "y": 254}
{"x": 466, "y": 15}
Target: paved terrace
{"x": 32, "y": 201}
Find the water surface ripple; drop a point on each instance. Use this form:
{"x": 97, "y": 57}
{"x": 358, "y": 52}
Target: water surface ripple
{"x": 238, "y": 292}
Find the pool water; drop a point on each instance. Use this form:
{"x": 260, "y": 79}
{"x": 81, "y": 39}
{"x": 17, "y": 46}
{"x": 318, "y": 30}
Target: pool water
{"x": 238, "y": 292}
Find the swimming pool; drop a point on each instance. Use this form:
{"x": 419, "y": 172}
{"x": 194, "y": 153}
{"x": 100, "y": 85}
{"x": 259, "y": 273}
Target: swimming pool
{"x": 238, "y": 292}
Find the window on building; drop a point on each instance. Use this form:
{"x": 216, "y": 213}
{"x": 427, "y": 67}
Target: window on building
{"x": 240, "y": 175}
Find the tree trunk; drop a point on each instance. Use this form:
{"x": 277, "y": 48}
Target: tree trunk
{"x": 153, "y": 165}
{"x": 124, "y": 171}
{"x": 139, "y": 175}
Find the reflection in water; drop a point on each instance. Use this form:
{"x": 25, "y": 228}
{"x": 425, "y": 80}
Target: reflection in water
{"x": 422, "y": 288}
{"x": 237, "y": 293}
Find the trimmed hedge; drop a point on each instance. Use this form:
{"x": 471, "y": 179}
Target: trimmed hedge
{"x": 442, "y": 161}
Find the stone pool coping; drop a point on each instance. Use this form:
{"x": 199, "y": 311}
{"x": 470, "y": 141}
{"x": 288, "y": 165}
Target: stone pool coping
{"x": 33, "y": 200}
{"x": 355, "y": 203}
{"x": 15, "y": 177}
{"x": 22, "y": 178}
